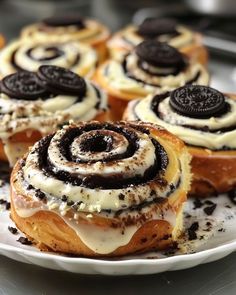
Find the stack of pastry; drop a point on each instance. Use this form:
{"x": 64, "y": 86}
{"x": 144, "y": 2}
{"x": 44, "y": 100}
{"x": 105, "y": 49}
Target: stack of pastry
{"x": 103, "y": 188}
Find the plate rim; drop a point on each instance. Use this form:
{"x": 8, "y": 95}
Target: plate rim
{"x": 231, "y": 247}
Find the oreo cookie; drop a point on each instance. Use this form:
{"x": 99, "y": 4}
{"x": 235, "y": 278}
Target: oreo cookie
{"x": 197, "y": 101}
{"x": 159, "y": 54}
{"x": 154, "y": 27}
{"x": 64, "y": 21}
{"x": 61, "y": 81}
{"x": 23, "y": 85}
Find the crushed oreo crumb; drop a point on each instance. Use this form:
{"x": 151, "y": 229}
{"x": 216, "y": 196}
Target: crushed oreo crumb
{"x": 39, "y": 194}
{"x": 64, "y": 198}
{"x": 197, "y": 204}
{"x": 24, "y": 241}
{"x": 192, "y": 231}
{"x": 8, "y": 205}
{"x": 12, "y": 230}
{"x": 210, "y": 209}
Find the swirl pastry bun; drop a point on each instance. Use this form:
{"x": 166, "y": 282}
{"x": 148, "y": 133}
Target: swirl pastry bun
{"x": 35, "y": 104}
{"x": 102, "y": 189}
{"x": 151, "y": 67}
{"x": 29, "y": 56}
{"x": 69, "y": 28}
{"x": 205, "y": 119}
{"x": 163, "y": 30}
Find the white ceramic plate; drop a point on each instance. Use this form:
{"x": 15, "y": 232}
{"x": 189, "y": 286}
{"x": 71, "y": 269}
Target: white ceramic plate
{"x": 214, "y": 242}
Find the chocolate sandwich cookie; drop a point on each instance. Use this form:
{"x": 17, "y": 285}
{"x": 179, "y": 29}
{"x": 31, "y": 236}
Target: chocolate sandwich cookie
{"x": 22, "y": 85}
{"x": 159, "y": 54}
{"x": 60, "y": 80}
{"x": 198, "y": 101}
{"x": 64, "y": 20}
{"x": 154, "y": 27}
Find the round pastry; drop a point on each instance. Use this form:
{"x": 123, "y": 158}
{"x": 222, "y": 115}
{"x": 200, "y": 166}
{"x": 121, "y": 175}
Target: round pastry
{"x": 35, "y": 104}
{"x": 163, "y": 30}
{"x": 152, "y": 66}
{"x": 205, "y": 119}
{"x": 64, "y": 28}
{"x": 102, "y": 189}
{"x": 29, "y": 56}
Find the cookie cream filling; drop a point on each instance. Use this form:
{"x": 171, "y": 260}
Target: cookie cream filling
{"x": 29, "y": 56}
{"x": 127, "y": 207}
{"x": 91, "y": 33}
{"x": 143, "y": 83}
{"x": 212, "y": 138}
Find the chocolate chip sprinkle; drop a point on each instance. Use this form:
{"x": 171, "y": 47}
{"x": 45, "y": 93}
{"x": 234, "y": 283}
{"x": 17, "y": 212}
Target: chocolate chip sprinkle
{"x": 232, "y": 196}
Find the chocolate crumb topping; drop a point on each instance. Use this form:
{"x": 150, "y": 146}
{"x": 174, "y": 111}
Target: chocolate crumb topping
{"x": 24, "y": 241}
{"x": 12, "y": 230}
{"x": 210, "y": 209}
{"x": 192, "y": 231}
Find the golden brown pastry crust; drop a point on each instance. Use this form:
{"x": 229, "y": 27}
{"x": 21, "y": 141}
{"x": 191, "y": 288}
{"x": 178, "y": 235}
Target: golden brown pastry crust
{"x": 51, "y": 233}
{"x": 213, "y": 171}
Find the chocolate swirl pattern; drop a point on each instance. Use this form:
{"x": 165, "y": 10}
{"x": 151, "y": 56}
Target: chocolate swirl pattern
{"x": 152, "y": 66}
{"x": 125, "y": 175}
{"x": 199, "y": 115}
{"x": 28, "y": 102}
{"x": 29, "y": 56}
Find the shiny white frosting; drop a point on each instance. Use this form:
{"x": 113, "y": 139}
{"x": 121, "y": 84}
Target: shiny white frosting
{"x": 77, "y": 57}
{"x": 96, "y": 202}
{"x": 174, "y": 122}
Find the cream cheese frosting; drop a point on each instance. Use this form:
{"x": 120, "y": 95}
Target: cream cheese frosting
{"x": 29, "y": 56}
{"x": 212, "y": 138}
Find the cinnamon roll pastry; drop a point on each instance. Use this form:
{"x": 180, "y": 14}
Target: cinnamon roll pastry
{"x": 68, "y": 28}
{"x": 205, "y": 119}
{"x": 35, "y": 104}
{"x": 29, "y": 56}
{"x": 152, "y": 66}
{"x": 163, "y": 30}
{"x": 102, "y": 189}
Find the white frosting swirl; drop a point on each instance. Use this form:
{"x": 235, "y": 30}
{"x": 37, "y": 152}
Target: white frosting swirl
{"x": 116, "y": 77}
{"x": 29, "y": 56}
{"x": 175, "y": 122}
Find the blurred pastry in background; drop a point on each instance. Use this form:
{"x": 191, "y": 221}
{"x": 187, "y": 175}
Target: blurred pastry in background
{"x": 205, "y": 119}
{"x": 69, "y": 27}
{"x": 151, "y": 67}
{"x": 163, "y": 30}
{"x": 29, "y": 56}
{"x": 35, "y": 104}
